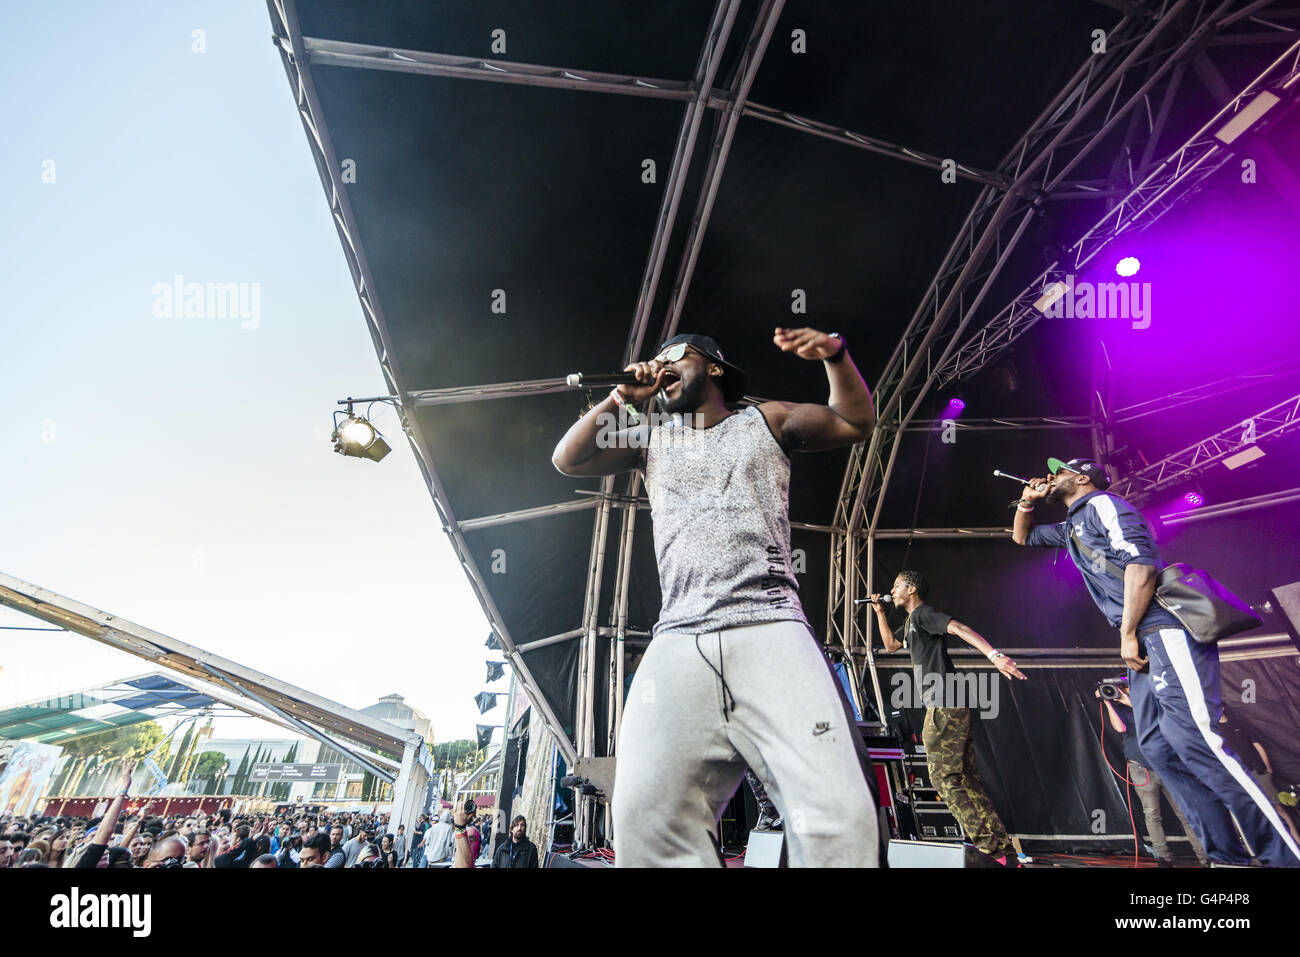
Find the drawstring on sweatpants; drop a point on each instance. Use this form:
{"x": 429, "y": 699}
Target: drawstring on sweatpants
{"x": 726, "y": 691}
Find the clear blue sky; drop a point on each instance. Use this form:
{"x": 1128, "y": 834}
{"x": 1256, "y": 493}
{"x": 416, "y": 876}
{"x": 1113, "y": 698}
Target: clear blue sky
{"x": 178, "y": 472}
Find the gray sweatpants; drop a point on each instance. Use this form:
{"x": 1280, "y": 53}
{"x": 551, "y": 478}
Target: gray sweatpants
{"x": 704, "y": 707}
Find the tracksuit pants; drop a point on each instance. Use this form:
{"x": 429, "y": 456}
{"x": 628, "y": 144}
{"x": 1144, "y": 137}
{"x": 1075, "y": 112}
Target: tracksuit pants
{"x": 1176, "y": 705}
{"x": 704, "y": 707}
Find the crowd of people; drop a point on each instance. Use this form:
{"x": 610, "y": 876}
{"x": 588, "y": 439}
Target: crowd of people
{"x": 458, "y": 837}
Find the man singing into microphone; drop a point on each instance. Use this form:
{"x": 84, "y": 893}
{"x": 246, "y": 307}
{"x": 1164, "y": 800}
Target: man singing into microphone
{"x": 734, "y": 676}
{"x": 949, "y": 717}
{"x": 1173, "y": 680}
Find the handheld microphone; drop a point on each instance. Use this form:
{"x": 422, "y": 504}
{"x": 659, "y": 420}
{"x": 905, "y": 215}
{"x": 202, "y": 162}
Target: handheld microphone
{"x": 1000, "y": 474}
{"x": 883, "y": 600}
{"x": 582, "y": 380}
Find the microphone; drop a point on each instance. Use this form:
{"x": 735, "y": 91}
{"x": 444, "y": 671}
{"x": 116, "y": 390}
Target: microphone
{"x": 883, "y": 600}
{"x": 1007, "y": 475}
{"x": 599, "y": 380}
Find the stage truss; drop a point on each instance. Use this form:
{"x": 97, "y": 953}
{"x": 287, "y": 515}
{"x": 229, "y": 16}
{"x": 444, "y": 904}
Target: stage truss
{"x": 1137, "y": 82}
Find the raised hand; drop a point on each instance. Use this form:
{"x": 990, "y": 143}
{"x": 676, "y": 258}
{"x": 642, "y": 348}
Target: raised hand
{"x": 806, "y": 343}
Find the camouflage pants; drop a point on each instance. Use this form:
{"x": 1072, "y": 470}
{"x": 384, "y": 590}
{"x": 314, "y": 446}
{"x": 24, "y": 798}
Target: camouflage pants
{"x": 950, "y": 756}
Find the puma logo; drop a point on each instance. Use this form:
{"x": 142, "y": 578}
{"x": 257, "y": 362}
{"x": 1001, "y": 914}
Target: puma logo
{"x": 1159, "y": 681}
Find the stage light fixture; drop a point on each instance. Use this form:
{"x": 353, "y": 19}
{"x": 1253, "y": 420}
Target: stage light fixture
{"x": 1128, "y": 266}
{"x": 1050, "y": 295}
{"x": 1193, "y": 498}
{"x": 355, "y": 436}
{"x": 1247, "y": 117}
{"x": 1244, "y": 457}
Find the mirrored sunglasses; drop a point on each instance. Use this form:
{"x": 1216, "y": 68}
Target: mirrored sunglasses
{"x": 672, "y": 353}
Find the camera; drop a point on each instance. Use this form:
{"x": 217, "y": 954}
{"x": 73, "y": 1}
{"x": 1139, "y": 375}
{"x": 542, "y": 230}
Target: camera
{"x": 470, "y": 806}
{"x": 1111, "y": 688}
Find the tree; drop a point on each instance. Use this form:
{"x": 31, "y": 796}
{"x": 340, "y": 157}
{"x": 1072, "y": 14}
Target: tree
{"x": 174, "y": 770}
{"x": 209, "y": 764}
{"x": 456, "y": 755}
{"x": 130, "y": 740}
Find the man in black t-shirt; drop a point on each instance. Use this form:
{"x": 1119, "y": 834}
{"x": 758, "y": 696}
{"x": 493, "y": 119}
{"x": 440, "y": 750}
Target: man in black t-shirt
{"x": 949, "y": 744}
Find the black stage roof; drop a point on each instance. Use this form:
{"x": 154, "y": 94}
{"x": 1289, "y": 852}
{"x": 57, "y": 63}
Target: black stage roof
{"x": 455, "y": 194}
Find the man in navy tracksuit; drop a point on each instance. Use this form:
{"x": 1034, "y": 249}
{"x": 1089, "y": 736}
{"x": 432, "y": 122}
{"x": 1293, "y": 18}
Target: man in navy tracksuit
{"x": 1175, "y": 687}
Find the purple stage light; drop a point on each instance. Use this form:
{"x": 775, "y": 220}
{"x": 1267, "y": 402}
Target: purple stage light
{"x": 956, "y": 405}
{"x": 1193, "y": 499}
{"x": 1127, "y": 266}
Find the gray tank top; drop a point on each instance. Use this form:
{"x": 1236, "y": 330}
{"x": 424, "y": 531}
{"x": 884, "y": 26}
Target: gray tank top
{"x": 719, "y": 502}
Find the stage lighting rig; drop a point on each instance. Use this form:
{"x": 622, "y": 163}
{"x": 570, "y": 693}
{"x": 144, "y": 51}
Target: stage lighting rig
{"x": 354, "y": 435}
{"x": 487, "y": 700}
{"x": 954, "y": 402}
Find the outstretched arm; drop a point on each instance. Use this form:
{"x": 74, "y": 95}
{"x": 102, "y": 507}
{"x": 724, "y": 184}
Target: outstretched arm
{"x": 976, "y": 640}
{"x": 849, "y": 415}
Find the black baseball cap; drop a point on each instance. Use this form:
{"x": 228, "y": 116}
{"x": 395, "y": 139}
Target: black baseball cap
{"x": 733, "y": 379}
{"x": 1093, "y": 470}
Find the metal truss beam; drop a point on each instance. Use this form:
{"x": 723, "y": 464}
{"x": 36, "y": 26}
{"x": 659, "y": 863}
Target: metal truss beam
{"x": 338, "y": 53}
{"x": 553, "y": 640}
{"x": 528, "y": 514}
{"x": 1209, "y": 390}
{"x": 1277, "y": 167}
{"x": 476, "y": 393}
{"x": 1187, "y": 463}
{"x": 321, "y": 52}
{"x": 1028, "y": 166}
{"x": 288, "y": 703}
{"x": 710, "y": 60}
{"x": 1001, "y": 425}
{"x": 871, "y": 144}
{"x": 1235, "y": 507}
{"x": 942, "y": 533}
{"x": 384, "y": 774}
{"x": 737, "y": 95}
{"x": 1148, "y": 56}
{"x": 288, "y": 37}
{"x": 1175, "y": 179}
{"x": 706, "y": 70}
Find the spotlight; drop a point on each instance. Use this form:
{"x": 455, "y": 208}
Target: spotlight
{"x": 1246, "y": 117}
{"x": 483, "y": 732}
{"x": 355, "y": 436}
{"x": 1193, "y": 499}
{"x": 1128, "y": 266}
{"x": 956, "y": 404}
